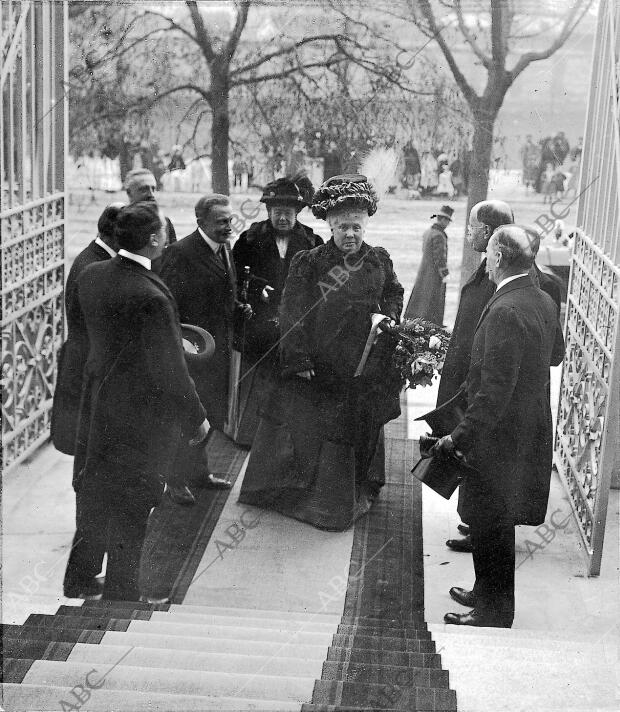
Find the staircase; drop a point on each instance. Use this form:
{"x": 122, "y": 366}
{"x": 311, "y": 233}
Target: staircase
{"x": 521, "y": 670}
{"x": 131, "y": 656}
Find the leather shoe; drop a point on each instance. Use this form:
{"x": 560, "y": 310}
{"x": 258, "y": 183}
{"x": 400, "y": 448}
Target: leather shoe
{"x": 180, "y": 494}
{"x": 464, "y": 529}
{"x": 463, "y": 544}
{"x": 158, "y": 601}
{"x": 89, "y": 591}
{"x": 216, "y": 482}
{"x": 463, "y": 596}
{"x": 476, "y": 618}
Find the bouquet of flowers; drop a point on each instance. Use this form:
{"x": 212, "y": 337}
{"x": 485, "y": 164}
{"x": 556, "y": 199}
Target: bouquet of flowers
{"x": 420, "y": 351}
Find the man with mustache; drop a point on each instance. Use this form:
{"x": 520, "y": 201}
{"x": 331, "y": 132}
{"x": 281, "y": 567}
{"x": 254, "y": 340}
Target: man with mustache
{"x": 140, "y": 184}
{"x": 200, "y": 273}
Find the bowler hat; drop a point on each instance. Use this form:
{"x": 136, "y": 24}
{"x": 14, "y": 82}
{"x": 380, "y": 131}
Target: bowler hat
{"x": 198, "y": 344}
{"x": 445, "y": 212}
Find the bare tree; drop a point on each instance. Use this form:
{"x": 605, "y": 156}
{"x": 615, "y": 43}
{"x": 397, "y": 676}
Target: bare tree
{"x": 497, "y": 29}
{"x": 210, "y": 63}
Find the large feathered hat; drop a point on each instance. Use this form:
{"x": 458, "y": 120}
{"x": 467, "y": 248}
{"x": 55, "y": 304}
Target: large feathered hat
{"x": 351, "y": 190}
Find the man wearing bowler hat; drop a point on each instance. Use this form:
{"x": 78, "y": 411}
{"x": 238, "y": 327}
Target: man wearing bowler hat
{"x": 428, "y": 298}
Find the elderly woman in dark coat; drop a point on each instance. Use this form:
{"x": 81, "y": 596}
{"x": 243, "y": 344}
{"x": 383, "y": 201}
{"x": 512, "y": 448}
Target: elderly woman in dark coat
{"x": 266, "y": 249}
{"x": 318, "y": 453}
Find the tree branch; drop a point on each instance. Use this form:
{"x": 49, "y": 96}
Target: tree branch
{"x": 281, "y": 52}
{"x": 470, "y": 95}
{"x": 285, "y": 72}
{"x": 498, "y": 36}
{"x": 173, "y": 25}
{"x": 242, "y": 17}
{"x": 486, "y": 61}
{"x": 202, "y": 36}
{"x": 573, "y": 18}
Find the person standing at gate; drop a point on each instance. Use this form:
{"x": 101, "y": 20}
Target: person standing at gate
{"x": 137, "y": 399}
{"x": 200, "y": 273}
{"x": 506, "y": 431}
{"x": 74, "y": 351}
{"x": 428, "y": 298}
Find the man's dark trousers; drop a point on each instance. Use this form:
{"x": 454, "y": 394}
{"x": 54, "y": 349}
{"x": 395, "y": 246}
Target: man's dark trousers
{"x": 108, "y": 518}
{"x": 494, "y": 565}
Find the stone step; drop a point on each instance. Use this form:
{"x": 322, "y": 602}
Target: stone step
{"x": 406, "y": 645}
{"x": 353, "y": 694}
{"x": 46, "y": 698}
{"x": 178, "y": 682}
{"x": 518, "y": 634}
{"x": 217, "y": 610}
{"x": 384, "y": 657}
{"x": 385, "y": 675}
{"x": 196, "y": 619}
{"x": 191, "y": 660}
{"x": 182, "y": 629}
{"x": 176, "y": 642}
{"x": 456, "y": 638}
{"x": 562, "y": 670}
{"x": 419, "y": 632}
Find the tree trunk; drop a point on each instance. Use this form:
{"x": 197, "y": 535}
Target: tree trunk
{"x": 482, "y": 146}
{"x": 220, "y": 126}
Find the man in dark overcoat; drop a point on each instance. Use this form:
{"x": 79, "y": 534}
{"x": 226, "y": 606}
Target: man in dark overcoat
{"x": 428, "y": 298}
{"x": 74, "y": 351}
{"x": 484, "y": 218}
{"x": 506, "y": 431}
{"x": 137, "y": 399}
{"x": 200, "y": 273}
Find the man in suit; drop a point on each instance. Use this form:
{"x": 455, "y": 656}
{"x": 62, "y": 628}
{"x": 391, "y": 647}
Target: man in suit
{"x": 140, "y": 184}
{"x": 200, "y": 273}
{"x": 506, "y": 431}
{"x": 75, "y": 349}
{"x": 137, "y": 399}
{"x": 484, "y": 218}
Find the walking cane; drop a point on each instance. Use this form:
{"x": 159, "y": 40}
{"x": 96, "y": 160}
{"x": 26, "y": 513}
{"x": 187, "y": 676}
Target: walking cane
{"x": 232, "y": 425}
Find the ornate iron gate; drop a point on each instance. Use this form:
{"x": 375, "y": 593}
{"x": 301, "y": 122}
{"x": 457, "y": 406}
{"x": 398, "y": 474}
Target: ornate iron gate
{"x": 588, "y": 427}
{"x": 33, "y": 131}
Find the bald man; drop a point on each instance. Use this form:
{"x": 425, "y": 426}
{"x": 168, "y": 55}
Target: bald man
{"x": 484, "y": 218}
{"x": 506, "y": 431}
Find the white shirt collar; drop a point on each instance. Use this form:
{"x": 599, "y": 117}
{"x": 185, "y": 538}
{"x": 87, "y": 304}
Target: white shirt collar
{"x": 107, "y": 248}
{"x": 144, "y": 261}
{"x": 509, "y": 279}
{"x": 215, "y": 246}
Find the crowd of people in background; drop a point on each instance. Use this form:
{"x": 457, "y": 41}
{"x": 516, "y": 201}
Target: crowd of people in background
{"x": 551, "y": 166}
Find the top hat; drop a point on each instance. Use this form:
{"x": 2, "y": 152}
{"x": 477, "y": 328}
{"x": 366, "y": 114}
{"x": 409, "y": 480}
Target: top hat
{"x": 445, "y": 212}
{"x": 296, "y": 192}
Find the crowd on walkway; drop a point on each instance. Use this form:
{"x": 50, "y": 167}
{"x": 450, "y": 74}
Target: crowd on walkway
{"x": 551, "y": 166}
{"x": 298, "y": 359}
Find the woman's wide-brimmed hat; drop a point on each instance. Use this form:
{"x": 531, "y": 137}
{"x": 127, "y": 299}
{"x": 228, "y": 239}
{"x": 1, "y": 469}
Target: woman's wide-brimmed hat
{"x": 445, "y": 212}
{"x": 295, "y": 191}
{"x": 351, "y": 190}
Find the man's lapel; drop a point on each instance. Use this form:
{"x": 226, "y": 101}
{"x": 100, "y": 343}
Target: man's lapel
{"x": 206, "y": 255}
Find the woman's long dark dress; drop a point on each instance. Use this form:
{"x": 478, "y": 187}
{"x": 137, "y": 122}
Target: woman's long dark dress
{"x": 317, "y": 455}
{"x": 257, "y": 339}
